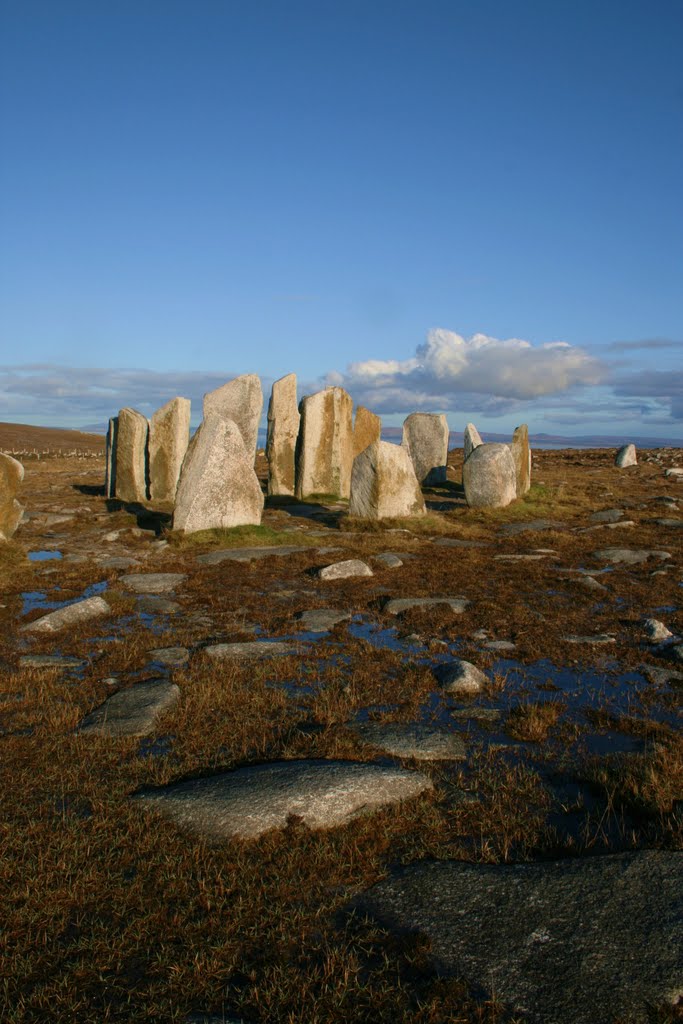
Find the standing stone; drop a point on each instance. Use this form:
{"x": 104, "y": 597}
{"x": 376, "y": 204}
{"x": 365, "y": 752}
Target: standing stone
{"x": 325, "y": 447}
{"x": 240, "y": 400}
{"x": 489, "y": 477}
{"x": 367, "y": 429}
{"x": 521, "y": 455}
{"x": 384, "y": 485}
{"x": 283, "y": 430}
{"x": 471, "y": 438}
{"x": 425, "y": 435}
{"x": 169, "y": 436}
{"x": 11, "y": 475}
{"x": 131, "y": 456}
{"x": 110, "y": 458}
{"x": 218, "y": 486}
{"x": 626, "y": 456}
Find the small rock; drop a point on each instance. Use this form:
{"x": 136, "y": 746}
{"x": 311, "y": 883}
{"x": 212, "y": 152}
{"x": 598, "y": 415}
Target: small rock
{"x": 389, "y": 560}
{"x": 79, "y": 611}
{"x": 422, "y": 742}
{"x": 345, "y": 570}
{"x": 459, "y": 676}
{"x": 531, "y": 525}
{"x": 457, "y": 542}
{"x": 656, "y": 630}
{"x": 252, "y": 649}
{"x": 320, "y": 620}
{"x": 499, "y": 645}
{"x": 629, "y": 556}
{"x": 118, "y": 562}
{"x": 152, "y": 582}
{"x": 674, "y": 473}
{"x": 157, "y": 605}
{"x": 399, "y": 605}
{"x": 57, "y": 661}
{"x": 597, "y": 638}
{"x": 173, "y": 656}
{"x": 248, "y": 554}
{"x": 608, "y": 515}
{"x": 133, "y": 711}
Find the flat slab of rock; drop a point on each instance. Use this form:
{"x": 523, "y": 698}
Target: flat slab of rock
{"x": 607, "y": 515}
{"x": 389, "y": 560}
{"x": 582, "y": 941}
{"x": 55, "y": 661}
{"x": 252, "y": 800}
{"x": 133, "y": 711}
{"x": 345, "y": 570}
{"x": 457, "y": 542}
{"x": 79, "y": 611}
{"x": 400, "y": 605}
{"x": 248, "y": 554}
{"x": 629, "y": 556}
{"x": 172, "y": 656}
{"x": 413, "y": 739}
{"x": 252, "y": 649}
{"x": 155, "y": 604}
{"x": 530, "y": 526}
{"x": 320, "y": 620}
{"x": 597, "y": 638}
{"x": 152, "y": 582}
{"x": 460, "y": 676}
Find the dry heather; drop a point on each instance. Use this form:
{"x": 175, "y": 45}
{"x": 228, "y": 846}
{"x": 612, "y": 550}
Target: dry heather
{"x": 110, "y": 914}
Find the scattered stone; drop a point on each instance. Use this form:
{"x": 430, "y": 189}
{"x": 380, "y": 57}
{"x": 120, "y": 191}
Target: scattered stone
{"x": 131, "y": 456}
{"x": 476, "y": 713}
{"x": 578, "y": 941}
{"x": 589, "y": 583}
{"x": 325, "y": 445}
{"x": 670, "y": 524}
{"x": 241, "y": 402}
{"x": 283, "y": 430}
{"x": 252, "y": 649}
{"x": 169, "y": 436}
{"x": 533, "y": 556}
{"x": 152, "y": 582}
{"x": 656, "y": 630}
{"x": 674, "y": 474}
{"x": 384, "y": 485}
{"x": 218, "y": 487}
{"x": 117, "y": 562}
{"x": 608, "y": 515}
{"x": 11, "y": 475}
{"x": 367, "y": 429}
{"x": 499, "y": 645}
{"x": 597, "y": 638}
{"x": 389, "y": 560}
{"x": 152, "y": 604}
{"x": 607, "y": 526}
{"x": 460, "y": 676}
{"x": 400, "y": 605}
{"x": 422, "y": 742}
{"x": 489, "y": 478}
{"x": 250, "y": 801}
{"x": 530, "y": 526}
{"x": 425, "y": 436}
{"x": 521, "y": 455}
{"x": 172, "y": 656}
{"x": 134, "y": 711}
{"x": 56, "y": 661}
{"x": 320, "y": 620}
{"x": 110, "y": 458}
{"x": 458, "y": 542}
{"x": 69, "y": 615}
{"x": 626, "y": 456}
{"x": 471, "y": 438}
{"x": 345, "y": 570}
{"x": 629, "y": 556}
{"x": 662, "y": 675}
{"x": 248, "y": 554}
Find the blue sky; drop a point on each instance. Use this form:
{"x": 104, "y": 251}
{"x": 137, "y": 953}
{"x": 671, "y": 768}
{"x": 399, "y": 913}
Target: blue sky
{"x": 468, "y": 207}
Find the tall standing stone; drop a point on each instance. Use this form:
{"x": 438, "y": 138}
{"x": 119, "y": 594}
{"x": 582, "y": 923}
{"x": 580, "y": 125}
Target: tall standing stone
{"x": 470, "y": 439}
{"x": 240, "y": 400}
{"x": 521, "y": 454}
{"x": 489, "y": 477}
{"x": 325, "y": 447}
{"x": 425, "y": 435}
{"x": 169, "y": 436}
{"x": 367, "y": 428}
{"x": 218, "y": 487}
{"x": 132, "y": 456}
{"x": 110, "y": 458}
{"x": 384, "y": 485}
{"x": 11, "y": 475}
{"x": 283, "y": 430}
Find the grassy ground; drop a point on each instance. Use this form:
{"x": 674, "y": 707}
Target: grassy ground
{"x": 110, "y": 914}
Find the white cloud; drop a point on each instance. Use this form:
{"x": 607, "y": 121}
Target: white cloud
{"x": 488, "y": 374}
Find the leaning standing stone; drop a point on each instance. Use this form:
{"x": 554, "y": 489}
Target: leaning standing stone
{"x": 110, "y": 458}
{"x": 384, "y": 485}
{"x": 489, "y": 477}
{"x": 425, "y": 435}
{"x": 240, "y": 400}
{"x": 169, "y": 436}
{"x": 367, "y": 428}
{"x": 471, "y": 438}
{"x": 131, "y": 456}
{"x": 11, "y": 475}
{"x": 283, "y": 430}
{"x": 325, "y": 446}
{"x": 521, "y": 454}
{"x": 218, "y": 487}
{"x": 626, "y": 456}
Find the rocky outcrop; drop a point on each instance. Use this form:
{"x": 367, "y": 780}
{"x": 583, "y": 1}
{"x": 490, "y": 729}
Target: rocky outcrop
{"x": 325, "y": 445}
{"x": 384, "y": 485}
{"x": 283, "y": 430}
{"x": 425, "y": 436}
{"x": 169, "y": 436}
{"x": 489, "y": 477}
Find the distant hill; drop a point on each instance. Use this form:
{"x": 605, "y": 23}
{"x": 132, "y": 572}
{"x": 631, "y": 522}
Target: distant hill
{"x": 21, "y": 437}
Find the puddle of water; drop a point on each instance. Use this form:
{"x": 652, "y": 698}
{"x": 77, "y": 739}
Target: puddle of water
{"x": 38, "y": 598}
{"x": 43, "y": 556}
